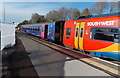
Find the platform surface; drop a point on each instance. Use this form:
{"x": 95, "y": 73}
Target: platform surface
{"x": 30, "y": 58}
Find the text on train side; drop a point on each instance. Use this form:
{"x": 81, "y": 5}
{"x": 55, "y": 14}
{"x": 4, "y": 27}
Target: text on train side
{"x": 105, "y": 23}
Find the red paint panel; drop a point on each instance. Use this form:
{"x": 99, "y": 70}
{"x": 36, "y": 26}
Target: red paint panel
{"x": 90, "y": 44}
{"x": 70, "y": 41}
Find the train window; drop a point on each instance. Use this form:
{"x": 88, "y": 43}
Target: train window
{"x": 68, "y": 30}
{"x": 50, "y": 29}
{"x": 38, "y": 28}
{"x": 31, "y": 28}
{"x": 76, "y": 32}
{"x": 81, "y": 32}
{"x": 106, "y": 34}
{"x": 42, "y": 29}
{"x": 107, "y": 30}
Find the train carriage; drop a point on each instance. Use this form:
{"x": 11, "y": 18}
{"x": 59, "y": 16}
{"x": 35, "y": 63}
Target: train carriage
{"x": 32, "y": 29}
{"x": 55, "y": 32}
{"x": 52, "y": 30}
{"x": 98, "y": 35}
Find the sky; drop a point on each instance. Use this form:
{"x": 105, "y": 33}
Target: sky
{"x": 19, "y": 11}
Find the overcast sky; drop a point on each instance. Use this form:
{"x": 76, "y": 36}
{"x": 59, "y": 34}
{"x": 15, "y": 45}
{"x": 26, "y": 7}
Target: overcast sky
{"x": 19, "y": 10}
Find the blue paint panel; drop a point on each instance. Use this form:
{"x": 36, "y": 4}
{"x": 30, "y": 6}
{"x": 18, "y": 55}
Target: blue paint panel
{"x": 36, "y": 33}
{"x": 106, "y": 54}
{"x": 51, "y": 32}
{"x": 111, "y": 55}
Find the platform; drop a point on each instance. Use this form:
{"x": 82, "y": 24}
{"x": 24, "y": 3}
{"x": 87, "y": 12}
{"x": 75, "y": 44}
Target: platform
{"x": 30, "y": 58}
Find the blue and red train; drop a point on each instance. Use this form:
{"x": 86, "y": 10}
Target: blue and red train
{"x": 97, "y": 35}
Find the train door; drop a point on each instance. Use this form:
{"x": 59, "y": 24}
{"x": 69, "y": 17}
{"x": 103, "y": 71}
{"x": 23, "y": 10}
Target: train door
{"x": 76, "y": 35}
{"x": 79, "y": 35}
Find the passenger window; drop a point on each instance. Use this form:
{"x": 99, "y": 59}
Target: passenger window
{"x": 68, "y": 30}
{"x": 38, "y": 28}
{"x": 81, "y": 32}
{"x": 106, "y": 34}
{"x": 50, "y": 29}
{"x": 76, "y": 32}
{"x": 42, "y": 29}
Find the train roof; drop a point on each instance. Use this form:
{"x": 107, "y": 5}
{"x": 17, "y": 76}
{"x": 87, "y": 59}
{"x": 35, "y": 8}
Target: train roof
{"x": 31, "y": 25}
{"x": 43, "y": 23}
{"x": 97, "y": 16}
{"x": 40, "y": 24}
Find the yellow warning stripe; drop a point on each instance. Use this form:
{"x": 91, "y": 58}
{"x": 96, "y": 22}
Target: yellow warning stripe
{"x": 104, "y": 67}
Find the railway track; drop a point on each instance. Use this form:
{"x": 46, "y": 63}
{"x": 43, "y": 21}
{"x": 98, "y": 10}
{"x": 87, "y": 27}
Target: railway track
{"x": 109, "y": 66}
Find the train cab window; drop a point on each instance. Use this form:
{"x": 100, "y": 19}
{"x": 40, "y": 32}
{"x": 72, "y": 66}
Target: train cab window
{"x": 106, "y": 34}
{"x": 68, "y": 30}
{"x": 76, "y": 32}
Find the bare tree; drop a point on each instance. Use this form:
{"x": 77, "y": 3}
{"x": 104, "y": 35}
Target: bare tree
{"x": 114, "y": 7}
{"x": 36, "y": 18}
{"x": 99, "y": 7}
{"x": 41, "y": 19}
{"x": 52, "y": 16}
{"x": 63, "y": 12}
{"x": 85, "y": 12}
{"x": 73, "y": 13}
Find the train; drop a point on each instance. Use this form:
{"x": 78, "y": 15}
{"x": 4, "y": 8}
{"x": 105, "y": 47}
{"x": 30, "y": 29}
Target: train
{"x": 98, "y": 35}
